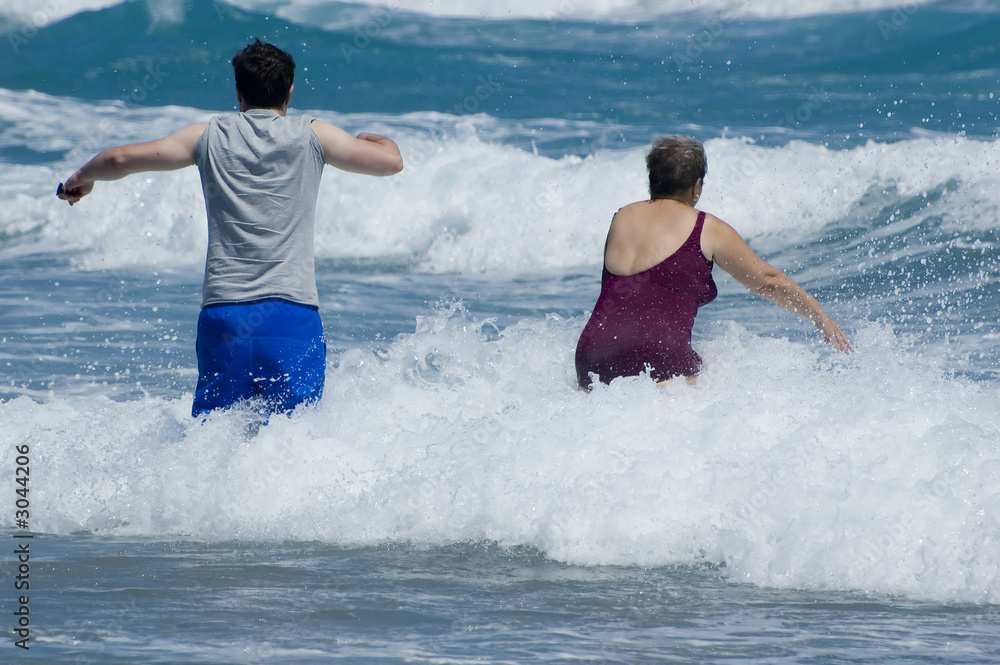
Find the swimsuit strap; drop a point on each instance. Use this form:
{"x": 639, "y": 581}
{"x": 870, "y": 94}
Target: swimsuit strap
{"x": 694, "y": 240}
{"x": 696, "y": 231}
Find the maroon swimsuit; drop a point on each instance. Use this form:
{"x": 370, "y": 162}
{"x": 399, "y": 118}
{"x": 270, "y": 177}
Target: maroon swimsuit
{"x": 646, "y": 318}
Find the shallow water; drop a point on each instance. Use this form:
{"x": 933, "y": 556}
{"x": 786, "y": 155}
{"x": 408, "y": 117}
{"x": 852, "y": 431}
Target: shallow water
{"x": 454, "y": 497}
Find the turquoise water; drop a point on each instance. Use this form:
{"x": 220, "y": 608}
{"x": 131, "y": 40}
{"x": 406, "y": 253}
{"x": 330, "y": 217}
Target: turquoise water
{"x": 454, "y": 498}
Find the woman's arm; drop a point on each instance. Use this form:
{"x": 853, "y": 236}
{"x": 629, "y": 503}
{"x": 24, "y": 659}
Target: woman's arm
{"x": 722, "y": 244}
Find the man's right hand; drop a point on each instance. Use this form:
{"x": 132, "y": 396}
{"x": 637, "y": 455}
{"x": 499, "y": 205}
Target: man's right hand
{"x": 74, "y": 189}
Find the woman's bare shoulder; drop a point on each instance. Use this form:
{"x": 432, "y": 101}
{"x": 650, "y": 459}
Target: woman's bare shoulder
{"x": 630, "y": 211}
{"x": 715, "y": 228}
{"x": 634, "y": 206}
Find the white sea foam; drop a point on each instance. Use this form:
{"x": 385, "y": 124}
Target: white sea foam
{"x": 796, "y": 189}
{"x": 26, "y": 16}
{"x": 31, "y": 14}
{"x": 23, "y": 18}
{"x": 791, "y": 465}
{"x": 471, "y": 201}
{"x": 617, "y": 11}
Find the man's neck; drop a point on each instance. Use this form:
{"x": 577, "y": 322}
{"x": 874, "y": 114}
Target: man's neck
{"x": 280, "y": 110}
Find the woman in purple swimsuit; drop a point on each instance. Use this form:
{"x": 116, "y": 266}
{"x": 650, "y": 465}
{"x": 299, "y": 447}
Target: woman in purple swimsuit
{"x": 658, "y": 271}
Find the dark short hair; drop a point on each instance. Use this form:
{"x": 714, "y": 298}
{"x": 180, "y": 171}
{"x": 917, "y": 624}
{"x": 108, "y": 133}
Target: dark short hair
{"x": 264, "y": 74}
{"x": 675, "y": 163}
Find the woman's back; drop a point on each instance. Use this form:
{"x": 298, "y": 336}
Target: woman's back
{"x": 645, "y": 233}
{"x": 645, "y": 313}
{"x": 658, "y": 271}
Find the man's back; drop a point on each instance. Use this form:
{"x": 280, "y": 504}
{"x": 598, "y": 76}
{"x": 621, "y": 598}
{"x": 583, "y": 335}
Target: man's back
{"x": 259, "y": 330}
{"x": 260, "y": 174}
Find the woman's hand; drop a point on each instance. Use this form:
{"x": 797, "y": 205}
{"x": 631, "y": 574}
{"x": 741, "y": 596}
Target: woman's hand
{"x": 832, "y": 334}
{"x": 723, "y": 245}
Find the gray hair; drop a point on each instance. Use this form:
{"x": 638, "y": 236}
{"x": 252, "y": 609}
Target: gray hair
{"x": 675, "y": 163}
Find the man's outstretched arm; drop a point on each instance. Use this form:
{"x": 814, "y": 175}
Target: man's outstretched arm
{"x": 369, "y": 154}
{"x": 173, "y": 152}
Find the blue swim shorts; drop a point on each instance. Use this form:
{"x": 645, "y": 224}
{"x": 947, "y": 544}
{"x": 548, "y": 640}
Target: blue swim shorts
{"x": 272, "y": 348}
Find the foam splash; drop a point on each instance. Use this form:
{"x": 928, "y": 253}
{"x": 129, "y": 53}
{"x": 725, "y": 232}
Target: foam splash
{"x": 26, "y": 16}
{"x": 619, "y": 11}
{"x": 465, "y": 203}
{"x": 790, "y": 465}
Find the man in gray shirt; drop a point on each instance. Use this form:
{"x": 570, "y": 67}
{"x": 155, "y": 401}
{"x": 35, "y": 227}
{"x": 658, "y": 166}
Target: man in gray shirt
{"x": 259, "y": 331}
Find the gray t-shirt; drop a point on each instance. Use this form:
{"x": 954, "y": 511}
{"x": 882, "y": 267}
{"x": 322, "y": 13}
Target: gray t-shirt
{"x": 260, "y": 173}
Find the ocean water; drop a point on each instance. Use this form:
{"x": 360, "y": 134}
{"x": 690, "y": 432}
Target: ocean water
{"x": 454, "y": 498}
